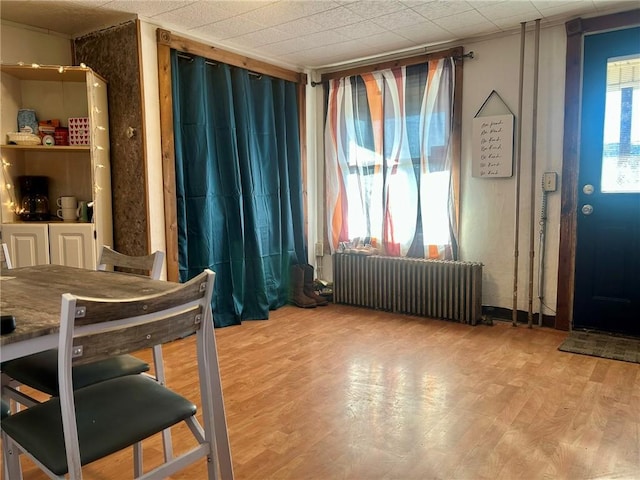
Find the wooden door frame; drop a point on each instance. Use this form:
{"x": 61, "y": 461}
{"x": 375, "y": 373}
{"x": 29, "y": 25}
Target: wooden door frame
{"x": 576, "y": 30}
{"x": 165, "y": 42}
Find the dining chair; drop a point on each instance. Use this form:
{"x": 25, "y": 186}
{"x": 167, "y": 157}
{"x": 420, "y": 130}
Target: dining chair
{"x": 80, "y": 426}
{"x": 5, "y": 258}
{"x": 39, "y": 371}
{"x": 150, "y": 265}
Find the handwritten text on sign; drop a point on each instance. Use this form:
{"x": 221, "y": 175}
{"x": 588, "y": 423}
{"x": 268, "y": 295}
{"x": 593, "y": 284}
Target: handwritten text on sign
{"x": 493, "y": 146}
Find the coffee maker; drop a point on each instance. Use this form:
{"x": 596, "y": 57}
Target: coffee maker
{"x": 34, "y": 194}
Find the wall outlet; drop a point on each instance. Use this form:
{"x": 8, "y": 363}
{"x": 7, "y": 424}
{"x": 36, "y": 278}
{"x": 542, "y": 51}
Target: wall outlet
{"x": 319, "y": 249}
{"x": 549, "y": 181}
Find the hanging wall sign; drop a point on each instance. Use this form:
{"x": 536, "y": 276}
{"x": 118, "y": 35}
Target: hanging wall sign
{"x": 493, "y": 146}
{"x": 492, "y": 153}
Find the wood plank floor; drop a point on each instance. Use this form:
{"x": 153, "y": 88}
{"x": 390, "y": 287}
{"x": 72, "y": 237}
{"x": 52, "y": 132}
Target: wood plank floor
{"x": 347, "y": 393}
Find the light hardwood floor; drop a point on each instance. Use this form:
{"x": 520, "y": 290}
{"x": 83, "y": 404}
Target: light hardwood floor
{"x": 346, "y": 393}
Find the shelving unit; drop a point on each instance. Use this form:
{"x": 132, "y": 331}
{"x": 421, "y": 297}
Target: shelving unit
{"x": 82, "y": 171}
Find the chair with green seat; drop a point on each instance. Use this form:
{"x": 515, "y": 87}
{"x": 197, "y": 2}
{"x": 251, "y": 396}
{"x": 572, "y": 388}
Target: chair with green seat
{"x": 40, "y": 370}
{"x": 78, "y": 427}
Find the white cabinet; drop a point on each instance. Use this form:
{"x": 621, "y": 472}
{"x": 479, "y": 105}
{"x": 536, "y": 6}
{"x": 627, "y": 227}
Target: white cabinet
{"x": 82, "y": 171}
{"x": 28, "y": 243}
{"x": 71, "y": 244}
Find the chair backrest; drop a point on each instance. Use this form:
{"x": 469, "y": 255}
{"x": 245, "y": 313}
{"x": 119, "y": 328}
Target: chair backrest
{"x": 92, "y": 329}
{"x": 150, "y": 264}
{"x": 5, "y": 259}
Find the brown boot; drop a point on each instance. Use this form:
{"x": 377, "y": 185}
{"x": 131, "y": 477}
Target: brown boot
{"x": 308, "y": 289}
{"x": 296, "y": 294}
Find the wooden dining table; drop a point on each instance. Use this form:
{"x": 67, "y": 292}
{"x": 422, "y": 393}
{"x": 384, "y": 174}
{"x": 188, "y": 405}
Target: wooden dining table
{"x": 33, "y": 296}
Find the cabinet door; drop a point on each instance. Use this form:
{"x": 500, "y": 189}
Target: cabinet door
{"x": 28, "y": 243}
{"x": 72, "y": 245}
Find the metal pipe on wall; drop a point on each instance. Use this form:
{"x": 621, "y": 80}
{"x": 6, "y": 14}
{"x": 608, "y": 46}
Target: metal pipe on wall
{"x": 514, "y": 318}
{"x": 534, "y": 138}
{"x": 541, "y": 250}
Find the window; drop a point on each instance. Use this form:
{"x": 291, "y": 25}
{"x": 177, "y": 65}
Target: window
{"x": 390, "y": 160}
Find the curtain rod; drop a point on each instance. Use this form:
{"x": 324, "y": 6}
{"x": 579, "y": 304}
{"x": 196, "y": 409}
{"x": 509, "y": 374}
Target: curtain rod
{"x": 214, "y": 64}
{"x": 455, "y": 57}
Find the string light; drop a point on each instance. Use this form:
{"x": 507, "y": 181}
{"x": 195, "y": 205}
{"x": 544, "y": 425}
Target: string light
{"x": 6, "y": 177}
{"x": 11, "y": 204}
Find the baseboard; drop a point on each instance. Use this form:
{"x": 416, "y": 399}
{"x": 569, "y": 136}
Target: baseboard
{"x": 506, "y": 314}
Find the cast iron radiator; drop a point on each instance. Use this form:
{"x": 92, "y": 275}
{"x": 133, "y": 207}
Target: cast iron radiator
{"x": 449, "y": 290}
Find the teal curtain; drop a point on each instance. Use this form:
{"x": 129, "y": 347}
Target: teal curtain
{"x": 238, "y": 184}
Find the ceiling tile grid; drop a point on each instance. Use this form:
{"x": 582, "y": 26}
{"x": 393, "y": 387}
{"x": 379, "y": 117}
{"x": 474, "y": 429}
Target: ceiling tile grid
{"x": 309, "y": 33}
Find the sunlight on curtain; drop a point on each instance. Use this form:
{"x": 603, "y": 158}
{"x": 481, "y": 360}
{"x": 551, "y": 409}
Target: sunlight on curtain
{"x": 388, "y": 160}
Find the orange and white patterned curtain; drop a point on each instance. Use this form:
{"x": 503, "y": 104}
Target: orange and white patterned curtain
{"x": 388, "y": 160}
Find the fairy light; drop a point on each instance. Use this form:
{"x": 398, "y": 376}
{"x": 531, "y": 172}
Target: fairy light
{"x": 6, "y": 178}
{"x": 96, "y": 111}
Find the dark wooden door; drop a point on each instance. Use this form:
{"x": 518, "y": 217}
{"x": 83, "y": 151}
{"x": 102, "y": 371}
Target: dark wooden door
{"x": 607, "y": 282}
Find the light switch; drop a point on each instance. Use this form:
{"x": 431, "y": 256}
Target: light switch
{"x": 549, "y": 181}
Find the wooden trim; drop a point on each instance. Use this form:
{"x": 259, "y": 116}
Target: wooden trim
{"x": 216, "y": 54}
{"x": 168, "y": 158}
{"x": 576, "y": 29}
{"x": 402, "y": 62}
{"x": 143, "y": 131}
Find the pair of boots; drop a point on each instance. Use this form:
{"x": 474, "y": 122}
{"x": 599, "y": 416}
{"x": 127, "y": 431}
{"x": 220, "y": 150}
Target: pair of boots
{"x": 301, "y": 291}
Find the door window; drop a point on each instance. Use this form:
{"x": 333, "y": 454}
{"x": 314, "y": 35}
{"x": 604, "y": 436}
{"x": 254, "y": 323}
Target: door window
{"x": 621, "y": 149}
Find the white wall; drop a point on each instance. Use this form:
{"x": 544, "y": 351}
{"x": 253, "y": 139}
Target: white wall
{"x": 33, "y": 45}
{"x": 153, "y": 146}
{"x": 487, "y": 207}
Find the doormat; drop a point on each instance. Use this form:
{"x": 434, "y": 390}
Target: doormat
{"x": 602, "y": 345}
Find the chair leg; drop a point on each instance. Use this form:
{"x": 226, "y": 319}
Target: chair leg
{"x": 158, "y": 365}
{"x": 11, "y": 469}
{"x": 137, "y": 460}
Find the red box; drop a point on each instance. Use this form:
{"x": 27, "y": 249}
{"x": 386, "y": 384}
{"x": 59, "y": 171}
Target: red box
{"x": 61, "y": 136}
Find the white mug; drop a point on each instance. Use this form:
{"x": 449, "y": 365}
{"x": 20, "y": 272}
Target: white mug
{"x": 68, "y": 214}
{"x": 67, "y": 202}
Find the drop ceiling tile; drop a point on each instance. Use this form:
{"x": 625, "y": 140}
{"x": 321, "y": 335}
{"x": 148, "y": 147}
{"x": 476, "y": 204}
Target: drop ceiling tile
{"x": 469, "y": 31}
{"x": 235, "y": 7}
{"x": 399, "y": 20}
{"x": 194, "y": 15}
{"x": 277, "y": 13}
{"x": 544, "y": 4}
{"x": 509, "y": 23}
{"x": 462, "y": 19}
{"x": 427, "y": 32}
{"x": 359, "y": 30}
{"x": 371, "y": 9}
{"x": 573, "y": 8}
{"x": 387, "y": 42}
{"x": 438, "y": 9}
{"x": 229, "y": 28}
{"x": 300, "y": 26}
{"x": 509, "y": 9}
{"x": 264, "y": 37}
{"x": 315, "y": 40}
{"x": 145, "y": 8}
{"x": 336, "y": 17}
